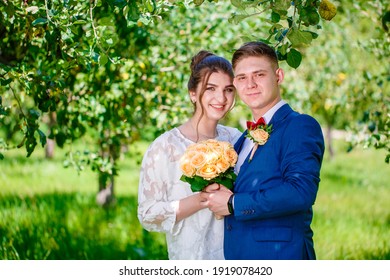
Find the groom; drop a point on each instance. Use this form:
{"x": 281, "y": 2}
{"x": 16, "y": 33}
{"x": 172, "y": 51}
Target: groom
{"x": 269, "y": 214}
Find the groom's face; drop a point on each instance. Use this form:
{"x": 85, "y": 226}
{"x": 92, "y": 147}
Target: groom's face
{"x": 257, "y": 82}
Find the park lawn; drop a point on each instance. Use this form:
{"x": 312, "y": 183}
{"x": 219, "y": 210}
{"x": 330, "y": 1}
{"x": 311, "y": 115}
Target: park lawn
{"x": 49, "y": 212}
{"x": 352, "y": 213}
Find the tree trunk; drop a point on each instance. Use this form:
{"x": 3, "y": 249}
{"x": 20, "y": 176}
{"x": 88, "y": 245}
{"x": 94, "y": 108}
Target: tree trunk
{"x": 329, "y": 140}
{"x": 50, "y": 144}
{"x": 49, "y": 148}
{"x": 105, "y": 196}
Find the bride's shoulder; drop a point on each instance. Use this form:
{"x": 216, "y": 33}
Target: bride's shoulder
{"x": 232, "y": 133}
{"x": 167, "y": 139}
{"x": 161, "y": 140}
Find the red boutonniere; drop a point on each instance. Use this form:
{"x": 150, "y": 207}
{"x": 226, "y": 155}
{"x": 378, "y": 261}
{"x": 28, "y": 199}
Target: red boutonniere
{"x": 259, "y": 133}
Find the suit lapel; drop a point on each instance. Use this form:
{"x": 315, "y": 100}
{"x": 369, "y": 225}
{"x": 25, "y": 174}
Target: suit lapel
{"x": 240, "y": 142}
{"x": 280, "y": 115}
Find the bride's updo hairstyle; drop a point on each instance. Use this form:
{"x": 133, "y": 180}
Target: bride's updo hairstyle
{"x": 203, "y": 64}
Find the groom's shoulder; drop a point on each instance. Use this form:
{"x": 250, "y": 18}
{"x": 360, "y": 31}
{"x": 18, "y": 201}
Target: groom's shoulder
{"x": 300, "y": 122}
{"x": 304, "y": 118}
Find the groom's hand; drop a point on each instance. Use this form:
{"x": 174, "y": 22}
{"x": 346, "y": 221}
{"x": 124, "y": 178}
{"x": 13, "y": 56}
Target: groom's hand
{"x": 216, "y": 199}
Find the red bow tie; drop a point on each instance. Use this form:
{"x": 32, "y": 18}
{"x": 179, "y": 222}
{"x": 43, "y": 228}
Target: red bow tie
{"x": 253, "y": 125}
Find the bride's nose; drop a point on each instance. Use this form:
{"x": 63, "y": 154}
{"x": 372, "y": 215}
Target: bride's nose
{"x": 221, "y": 96}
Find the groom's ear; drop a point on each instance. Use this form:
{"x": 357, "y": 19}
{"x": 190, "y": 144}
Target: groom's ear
{"x": 279, "y": 75}
{"x": 234, "y": 83}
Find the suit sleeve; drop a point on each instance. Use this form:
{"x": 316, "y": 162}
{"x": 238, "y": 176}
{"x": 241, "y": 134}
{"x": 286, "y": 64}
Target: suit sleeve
{"x": 301, "y": 157}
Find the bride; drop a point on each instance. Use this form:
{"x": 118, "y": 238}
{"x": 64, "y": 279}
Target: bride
{"x": 167, "y": 204}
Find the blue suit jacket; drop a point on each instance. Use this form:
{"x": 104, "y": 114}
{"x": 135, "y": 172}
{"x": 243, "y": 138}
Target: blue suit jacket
{"x": 274, "y": 193}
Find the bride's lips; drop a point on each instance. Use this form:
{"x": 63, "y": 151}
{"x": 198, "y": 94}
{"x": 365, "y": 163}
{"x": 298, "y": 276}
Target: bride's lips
{"x": 218, "y": 106}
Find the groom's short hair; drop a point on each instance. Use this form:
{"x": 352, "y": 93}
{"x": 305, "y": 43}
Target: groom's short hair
{"x": 255, "y": 48}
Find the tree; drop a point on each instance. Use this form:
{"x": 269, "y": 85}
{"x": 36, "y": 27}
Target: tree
{"x": 114, "y": 71}
{"x": 372, "y": 128}
{"x": 85, "y": 61}
{"x": 292, "y": 25}
{"x": 346, "y": 83}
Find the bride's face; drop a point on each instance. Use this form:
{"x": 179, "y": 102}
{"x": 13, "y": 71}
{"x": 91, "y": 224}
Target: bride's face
{"x": 218, "y": 97}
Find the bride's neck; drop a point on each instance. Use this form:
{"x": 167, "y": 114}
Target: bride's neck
{"x": 199, "y": 130}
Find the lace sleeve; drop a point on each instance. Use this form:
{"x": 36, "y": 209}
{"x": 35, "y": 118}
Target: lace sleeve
{"x": 156, "y": 207}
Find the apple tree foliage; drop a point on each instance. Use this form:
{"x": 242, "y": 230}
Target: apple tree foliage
{"x": 113, "y": 72}
{"x": 344, "y": 81}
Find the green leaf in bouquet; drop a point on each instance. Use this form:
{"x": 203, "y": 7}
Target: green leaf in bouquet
{"x": 228, "y": 183}
{"x": 227, "y": 179}
{"x": 197, "y": 183}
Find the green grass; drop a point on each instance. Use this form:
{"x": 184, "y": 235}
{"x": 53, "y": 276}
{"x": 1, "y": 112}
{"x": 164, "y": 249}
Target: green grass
{"x": 49, "y": 212}
{"x": 352, "y": 213}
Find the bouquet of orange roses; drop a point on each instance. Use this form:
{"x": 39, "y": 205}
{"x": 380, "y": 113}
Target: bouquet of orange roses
{"x": 208, "y": 162}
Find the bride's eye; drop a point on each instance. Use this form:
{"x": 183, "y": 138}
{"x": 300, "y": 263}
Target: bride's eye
{"x": 229, "y": 90}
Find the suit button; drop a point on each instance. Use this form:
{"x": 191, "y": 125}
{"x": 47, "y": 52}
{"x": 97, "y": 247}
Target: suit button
{"x": 229, "y": 227}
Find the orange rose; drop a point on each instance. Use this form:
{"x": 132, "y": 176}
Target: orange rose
{"x": 206, "y": 162}
{"x": 187, "y": 168}
{"x": 215, "y": 146}
{"x": 222, "y": 164}
{"x": 212, "y": 142}
{"x": 207, "y": 171}
{"x": 198, "y": 160}
{"x": 212, "y": 157}
{"x": 231, "y": 156}
{"x": 259, "y": 135}
{"x": 189, "y": 154}
{"x": 201, "y": 148}
{"x": 226, "y": 146}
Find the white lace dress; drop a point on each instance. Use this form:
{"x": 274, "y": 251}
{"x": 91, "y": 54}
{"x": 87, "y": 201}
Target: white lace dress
{"x": 199, "y": 236}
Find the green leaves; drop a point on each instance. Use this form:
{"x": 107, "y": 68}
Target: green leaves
{"x": 299, "y": 38}
{"x": 197, "y": 183}
{"x": 39, "y": 21}
{"x": 309, "y": 16}
{"x": 292, "y": 25}
{"x": 281, "y": 6}
{"x": 237, "y": 18}
{"x": 294, "y": 58}
{"x": 32, "y": 126}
